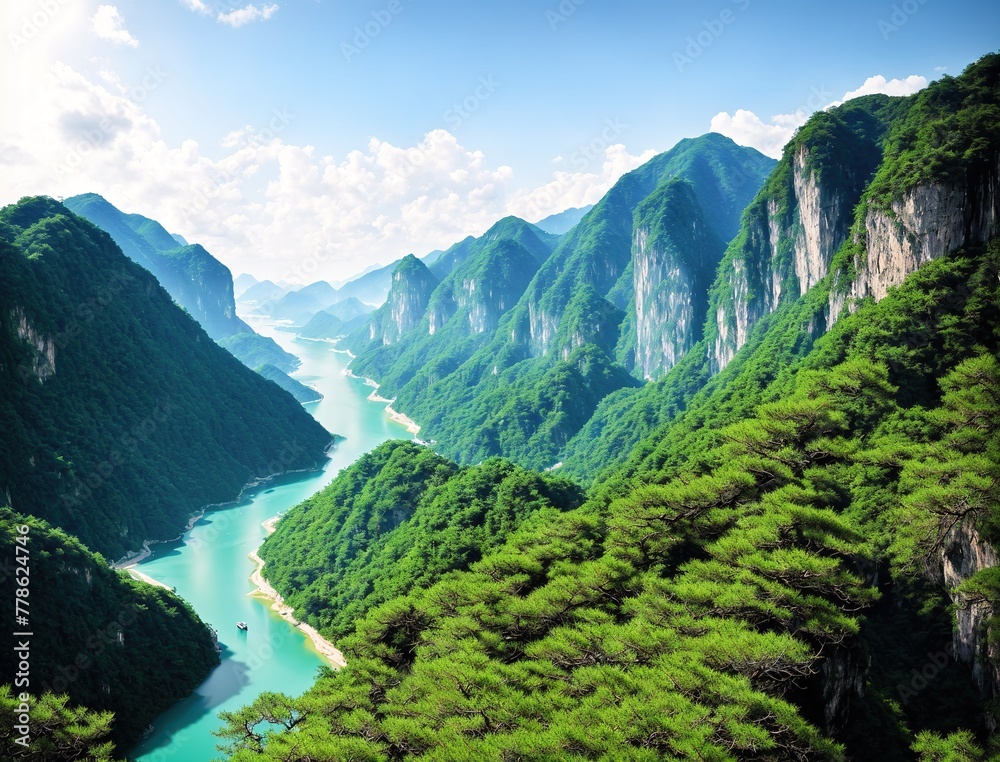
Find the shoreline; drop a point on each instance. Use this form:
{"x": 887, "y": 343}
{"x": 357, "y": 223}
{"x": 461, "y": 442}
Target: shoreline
{"x": 137, "y": 557}
{"x": 264, "y": 590}
{"x": 401, "y": 418}
{"x": 136, "y": 574}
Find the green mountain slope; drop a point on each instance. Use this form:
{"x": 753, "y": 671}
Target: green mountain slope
{"x": 120, "y": 416}
{"x": 254, "y": 350}
{"x": 297, "y": 389}
{"x": 463, "y": 311}
{"x": 525, "y": 388}
{"x": 399, "y": 518}
{"x": 799, "y": 561}
{"x": 107, "y": 642}
{"x": 194, "y": 278}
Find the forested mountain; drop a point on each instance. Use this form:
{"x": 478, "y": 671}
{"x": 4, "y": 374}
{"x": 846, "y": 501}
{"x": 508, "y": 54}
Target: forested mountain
{"x": 120, "y": 417}
{"x": 461, "y": 301}
{"x": 799, "y": 558}
{"x": 400, "y": 517}
{"x": 520, "y": 377}
{"x": 196, "y": 280}
{"x": 109, "y": 643}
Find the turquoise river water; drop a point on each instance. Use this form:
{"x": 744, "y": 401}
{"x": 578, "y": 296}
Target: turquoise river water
{"x": 210, "y": 569}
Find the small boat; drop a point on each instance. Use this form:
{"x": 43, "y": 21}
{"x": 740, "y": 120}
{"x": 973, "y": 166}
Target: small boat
{"x": 242, "y": 625}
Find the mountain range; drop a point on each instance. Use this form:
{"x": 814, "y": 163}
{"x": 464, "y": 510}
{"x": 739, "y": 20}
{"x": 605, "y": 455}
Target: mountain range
{"x": 788, "y": 547}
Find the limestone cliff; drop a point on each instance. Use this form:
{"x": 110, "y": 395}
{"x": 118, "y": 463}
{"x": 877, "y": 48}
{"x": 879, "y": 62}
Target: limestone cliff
{"x": 43, "y": 364}
{"x": 963, "y": 554}
{"x": 790, "y": 232}
{"x": 674, "y": 256}
{"x": 404, "y": 308}
{"x": 924, "y": 223}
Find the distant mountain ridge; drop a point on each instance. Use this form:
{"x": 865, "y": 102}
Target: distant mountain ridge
{"x": 620, "y": 298}
{"x": 194, "y": 278}
{"x": 562, "y": 222}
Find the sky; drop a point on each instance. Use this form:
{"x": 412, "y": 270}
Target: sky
{"x": 309, "y": 139}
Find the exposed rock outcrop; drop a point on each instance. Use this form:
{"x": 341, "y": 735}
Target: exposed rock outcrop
{"x": 43, "y": 364}
{"x": 925, "y": 223}
{"x": 964, "y": 554}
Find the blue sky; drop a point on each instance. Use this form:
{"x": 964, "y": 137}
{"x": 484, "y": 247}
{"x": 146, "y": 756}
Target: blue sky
{"x": 353, "y": 132}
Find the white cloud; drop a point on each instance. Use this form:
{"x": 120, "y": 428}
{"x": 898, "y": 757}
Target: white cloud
{"x": 270, "y": 207}
{"x": 879, "y": 84}
{"x": 197, "y": 5}
{"x": 236, "y": 17}
{"x": 245, "y": 15}
{"x": 110, "y": 25}
{"x": 748, "y": 129}
{"x": 598, "y": 172}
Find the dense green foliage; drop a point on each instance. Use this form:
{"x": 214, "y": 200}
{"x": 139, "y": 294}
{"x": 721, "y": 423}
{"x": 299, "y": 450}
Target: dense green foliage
{"x": 106, "y": 641}
{"x": 60, "y": 732}
{"x": 844, "y": 147}
{"x": 950, "y": 133}
{"x": 702, "y": 610}
{"x": 485, "y": 279}
{"x": 119, "y": 417}
{"x": 194, "y": 279}
{"x": 792, "y": 561}
{"x": 399, "y": 518}
{"x": 524, "y": 387}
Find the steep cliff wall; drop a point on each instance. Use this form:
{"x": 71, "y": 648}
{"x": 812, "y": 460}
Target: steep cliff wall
{"x": 674, "y": 256}
{"x": 789, "y": 238}
{"x": 43, "y": 365}
{"x": 925, "y": 223}
{"x": 963, "y": 554}
{"x": 404, "y": 308}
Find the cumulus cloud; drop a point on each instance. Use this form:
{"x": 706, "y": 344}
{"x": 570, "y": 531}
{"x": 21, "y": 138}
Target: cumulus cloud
{"x": 879, "y": 84}
{"x": 769, "y": 137}
{"x": 599, "y": 170}
{"x": 265, "y": 205}
{"x": 748, "y": 129}
{"x": 109, "y": 24}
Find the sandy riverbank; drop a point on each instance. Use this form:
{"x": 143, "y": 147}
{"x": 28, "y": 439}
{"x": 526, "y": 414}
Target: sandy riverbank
{"x": 411, "y": 426}
{"x": 146, "y": 578}
{"x": 264, "y": 590}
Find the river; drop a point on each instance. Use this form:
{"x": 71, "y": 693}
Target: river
{"x": 209, "y": 568}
